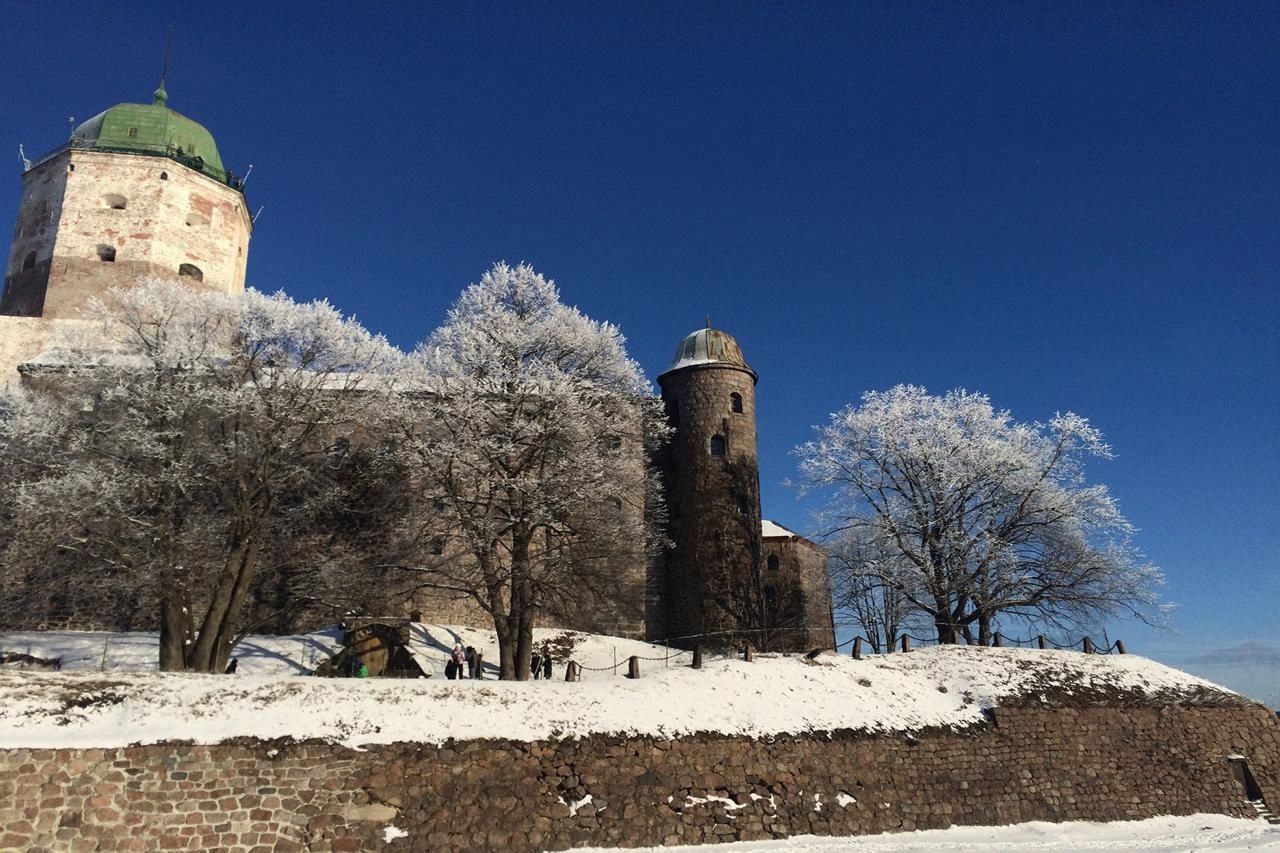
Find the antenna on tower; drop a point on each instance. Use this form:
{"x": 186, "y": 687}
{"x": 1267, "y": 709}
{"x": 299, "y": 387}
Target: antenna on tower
{"x": 168, "y": 43}
{"x": 708, "y": 321}
{"x": 247, "y": 173}
{"x": 26, "y": 164}
{"x": 254, "y": 219}
{"x": 161, "y": 94}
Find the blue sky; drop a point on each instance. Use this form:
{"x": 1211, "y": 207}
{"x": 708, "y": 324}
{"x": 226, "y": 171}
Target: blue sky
{"x": 1065, "y": 206}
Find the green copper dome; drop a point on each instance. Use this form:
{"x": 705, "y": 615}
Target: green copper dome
{"x": 152, "y": 129}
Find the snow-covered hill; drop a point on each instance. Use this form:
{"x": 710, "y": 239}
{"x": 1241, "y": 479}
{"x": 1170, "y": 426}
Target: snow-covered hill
{"x": 88, "y": 704}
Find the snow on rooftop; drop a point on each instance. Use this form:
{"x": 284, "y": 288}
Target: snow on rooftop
{"x": 85, "y": 705}
{"x": 772, "y": 529}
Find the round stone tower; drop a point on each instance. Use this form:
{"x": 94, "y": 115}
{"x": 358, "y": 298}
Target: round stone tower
{"x": 712, "y": 584}
{"x": 138, "y": 191}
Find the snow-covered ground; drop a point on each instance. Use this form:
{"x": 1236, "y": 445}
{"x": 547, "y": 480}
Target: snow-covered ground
{"x": 117, "y": 703}
{"x": 1168, "y": 834}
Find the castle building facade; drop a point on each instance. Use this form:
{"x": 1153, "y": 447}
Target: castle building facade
{"x": 140, "y": 192}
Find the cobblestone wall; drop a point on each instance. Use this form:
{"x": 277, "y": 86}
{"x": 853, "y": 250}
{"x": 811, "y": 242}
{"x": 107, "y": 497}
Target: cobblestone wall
{"x": 1025, "y": 764}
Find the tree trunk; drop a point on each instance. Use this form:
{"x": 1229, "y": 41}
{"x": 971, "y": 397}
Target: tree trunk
{"x": 175, "y": 628}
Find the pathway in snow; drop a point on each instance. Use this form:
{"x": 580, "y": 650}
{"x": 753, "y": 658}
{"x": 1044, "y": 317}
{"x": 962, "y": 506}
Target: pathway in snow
{"x": 1158, "y": 834}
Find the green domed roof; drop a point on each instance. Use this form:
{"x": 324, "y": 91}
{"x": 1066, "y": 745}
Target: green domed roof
{"x": 151, "y": 129}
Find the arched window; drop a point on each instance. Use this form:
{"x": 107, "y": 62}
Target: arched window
{"x": 718, "y": 445}
{"x": 115, "y": 201}
{"x": 735, "y": 403}
{"x": 29, "y": 262}
{"x": 164, "y": 176}
{"x": 107, "y": 254}
{"x": 190, "y": 271}
{"x": 773, "y": 562}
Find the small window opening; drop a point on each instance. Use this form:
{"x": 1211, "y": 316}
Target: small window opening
{"x": 437, "y": 546}
{"x": 29, "y": 262}
{"x": 71, "y": 167}
{"x": 133, "y": 133}
{"x": 164, "y": 176}
{"x": 744, "y": 506}
{"x": 773, "y": 562}
{"x": 735, "y": 403}
{"x": 107, "y": 254}
{"x": 614, "y": 504}
{"x": 438, "y": 506}
{"x": 190, "y": 271}
{"x": 771, "y": 596}
{"x": 115, "y": 201}
{"x": 718, "y": 445}
{"x": 673, "y": 413}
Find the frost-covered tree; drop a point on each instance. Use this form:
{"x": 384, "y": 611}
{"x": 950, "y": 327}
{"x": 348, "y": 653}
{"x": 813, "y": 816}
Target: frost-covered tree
{"x": 970, "y": 516}
{"x": 529, "y": 443}
{"x": 864, "y": 587}
{"x": 203, "y": 439}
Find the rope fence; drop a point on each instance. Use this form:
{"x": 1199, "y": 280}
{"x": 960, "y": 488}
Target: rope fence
{"x": 902, "y": 643}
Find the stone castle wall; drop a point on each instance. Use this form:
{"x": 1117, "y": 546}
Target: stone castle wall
{"x": 171, "y": 216}
{"x": 1025, "y": 764}
{"x": 802, "y": 592}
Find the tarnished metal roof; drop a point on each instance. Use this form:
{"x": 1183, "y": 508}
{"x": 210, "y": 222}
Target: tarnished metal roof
{"x": 708, "y": 346}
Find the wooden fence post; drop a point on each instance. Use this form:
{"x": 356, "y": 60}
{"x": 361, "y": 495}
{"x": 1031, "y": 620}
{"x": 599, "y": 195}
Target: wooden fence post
{"x": 998, "y": 641}
{"x": 571, "y": 672}
{"x": 748, "y": 654}
{"x": 478, "y": 672}
{"x": 1088, "y": 646}
{"x": 1120, "y": 646}
{"x": 906, "y": 643}
{"x": 633, "y": 667}
{"x": 697, "y": 656}
{"x": 1040, "y": 641}
{"x": 857, "y": 648}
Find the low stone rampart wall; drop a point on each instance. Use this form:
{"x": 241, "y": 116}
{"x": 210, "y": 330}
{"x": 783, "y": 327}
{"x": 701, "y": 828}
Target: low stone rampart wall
{"x": 1024, "y": 764}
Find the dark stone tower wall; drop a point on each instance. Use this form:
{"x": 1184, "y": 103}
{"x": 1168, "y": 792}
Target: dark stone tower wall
{"x": 713, "y": 572}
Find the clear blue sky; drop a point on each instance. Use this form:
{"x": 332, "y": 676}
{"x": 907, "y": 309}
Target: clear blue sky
{"x": 1063, "y": 205}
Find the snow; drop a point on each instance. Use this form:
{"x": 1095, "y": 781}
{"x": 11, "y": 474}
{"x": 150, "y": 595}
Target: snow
{"x": 1169, "y": 834}
{"x": 391, "y": 833}
{"x": 87, "y": 705}
{"x": 772, "y": 529}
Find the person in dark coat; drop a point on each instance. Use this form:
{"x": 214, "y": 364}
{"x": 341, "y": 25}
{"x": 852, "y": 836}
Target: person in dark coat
{"x": 546, "y": 663}
{"x": 233, "y": 666}
{"x": 535, "y": 665}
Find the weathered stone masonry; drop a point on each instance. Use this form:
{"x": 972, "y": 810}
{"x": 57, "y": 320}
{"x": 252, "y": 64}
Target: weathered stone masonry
{"x": 1025, "y": 764}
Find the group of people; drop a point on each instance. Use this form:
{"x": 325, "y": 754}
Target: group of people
{"x": 459, "y": 659}
{"x": 469, "y": 658}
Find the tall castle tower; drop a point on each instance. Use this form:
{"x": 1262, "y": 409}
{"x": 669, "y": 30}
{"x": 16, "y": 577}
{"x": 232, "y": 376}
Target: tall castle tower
{"x": 712, "y": 584}
{"x": 138, "y": 191}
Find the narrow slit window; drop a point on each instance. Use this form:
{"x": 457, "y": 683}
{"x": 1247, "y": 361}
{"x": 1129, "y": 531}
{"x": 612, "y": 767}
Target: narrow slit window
{"x": 771, "y": 596}
{"x": 773, "y": 562}
{"x": 735, "y": 403}
{"x": 719, "y": 447}
{"x": 437, "y": 546}
{"x": 29, "y": 262}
